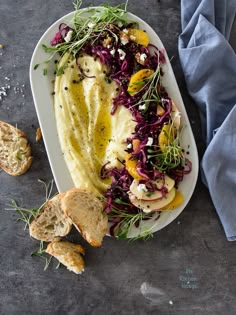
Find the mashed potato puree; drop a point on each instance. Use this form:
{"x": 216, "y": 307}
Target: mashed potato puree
{"x": 89, "y": 135}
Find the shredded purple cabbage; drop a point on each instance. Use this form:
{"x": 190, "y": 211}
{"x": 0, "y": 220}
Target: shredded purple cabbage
{"x": 60, "y": 35}
{"x": 107, "y": 47}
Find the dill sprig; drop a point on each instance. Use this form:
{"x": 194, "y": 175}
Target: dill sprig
{"x": 28, "y": 215}
{"x": 40, "y": 253}
{"x": 129, "y": 221}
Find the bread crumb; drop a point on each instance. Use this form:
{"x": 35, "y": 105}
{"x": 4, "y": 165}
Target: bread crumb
{"x": 38, "y": 136}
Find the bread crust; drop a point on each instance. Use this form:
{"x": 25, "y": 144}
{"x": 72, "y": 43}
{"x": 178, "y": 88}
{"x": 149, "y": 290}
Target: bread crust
{"x": 86, "y": 213}
{"x": 15, "y": 151}
{"x": 69, "y": 254}
{"x": 51, "y": 223}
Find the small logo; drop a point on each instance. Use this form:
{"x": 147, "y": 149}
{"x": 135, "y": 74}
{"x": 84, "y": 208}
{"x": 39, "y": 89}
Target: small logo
{"x": 188, "y": 280}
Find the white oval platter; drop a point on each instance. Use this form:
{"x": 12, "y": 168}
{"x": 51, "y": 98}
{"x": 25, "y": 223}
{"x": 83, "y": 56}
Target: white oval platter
{"x": 42, "y": 87}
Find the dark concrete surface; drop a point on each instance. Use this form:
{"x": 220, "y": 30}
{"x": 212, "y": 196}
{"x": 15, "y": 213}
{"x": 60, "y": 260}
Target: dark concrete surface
{"x": 187, "y": 268}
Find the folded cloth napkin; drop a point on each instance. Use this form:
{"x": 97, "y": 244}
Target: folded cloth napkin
{"x": 209, "y": 65}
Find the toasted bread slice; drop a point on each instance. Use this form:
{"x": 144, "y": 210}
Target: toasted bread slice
{"x": 86, "y": 213}
{"x": 68, "y": 254}
{"x": 15, "y": 151}
{"x": 51, "y": 223}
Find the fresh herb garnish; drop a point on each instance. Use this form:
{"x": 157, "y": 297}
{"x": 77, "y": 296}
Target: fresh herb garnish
{"x": 129, "y": 221}
{"x": 172, "y": 156}
{"x": 40, "y": 253}
{"x": 87, "y": 29}
{"x": 28, "y": 215}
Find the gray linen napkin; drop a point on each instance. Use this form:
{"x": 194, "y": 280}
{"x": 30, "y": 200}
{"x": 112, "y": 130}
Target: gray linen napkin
{"x": 209, "y": 66}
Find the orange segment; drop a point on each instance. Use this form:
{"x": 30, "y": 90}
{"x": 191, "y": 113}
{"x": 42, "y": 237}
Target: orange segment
{"x": 131, "y": 167}
{"x": 178, "y": 199}
{"x": 136, "y": 144}
{"x": 139, "y": 36}
{"x": 137, "y": 80}
{"x": 166, "y": 137}
{"x": 160, "y": 110}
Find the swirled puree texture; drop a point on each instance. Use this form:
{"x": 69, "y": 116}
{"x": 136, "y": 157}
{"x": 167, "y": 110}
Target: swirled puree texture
{"x": 89, "y": 135}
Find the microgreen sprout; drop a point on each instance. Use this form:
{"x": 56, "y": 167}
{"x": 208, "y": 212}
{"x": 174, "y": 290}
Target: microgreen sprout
{"x": 172, "y": 155}
{"x": 88, "y": 24}
{"x": 151, "y": 94}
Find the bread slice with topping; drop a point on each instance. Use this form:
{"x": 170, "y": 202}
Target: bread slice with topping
{"x": 86, "y": 213}
{"x": 68, "y": 254}
{"x": 51, "y": 223}
{"x": 15, "y": 151}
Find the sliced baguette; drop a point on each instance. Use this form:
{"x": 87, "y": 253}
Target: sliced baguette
{"x": 86, "y": 213}
{"x": 15, "y": 151}
{"x": 51, "y": 223}
{"x": 68, "y": 254}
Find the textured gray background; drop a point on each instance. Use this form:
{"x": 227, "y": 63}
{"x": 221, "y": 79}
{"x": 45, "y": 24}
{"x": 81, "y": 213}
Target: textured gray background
{"x": 187, "y": 268}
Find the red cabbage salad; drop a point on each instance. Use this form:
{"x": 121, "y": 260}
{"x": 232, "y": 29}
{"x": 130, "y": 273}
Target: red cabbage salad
{"x": 146, "y": 183}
